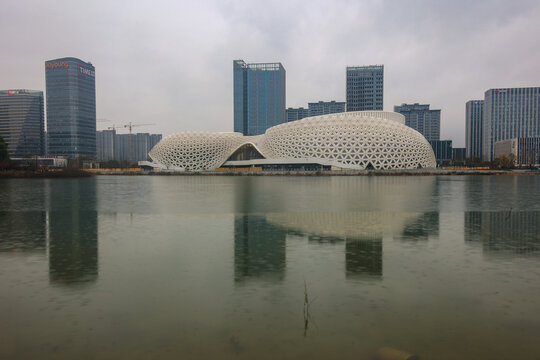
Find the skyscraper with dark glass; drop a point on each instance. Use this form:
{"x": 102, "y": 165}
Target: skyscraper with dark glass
{"x": 22, "y": 123}
{"x": 474, "y": 113}
{"x": 259, "y": 96}
{"x": 509, "y": 113}
{"x": 419, "y": 117}
{"x": 365, "y": 87}
{"x": 71, "y": 107}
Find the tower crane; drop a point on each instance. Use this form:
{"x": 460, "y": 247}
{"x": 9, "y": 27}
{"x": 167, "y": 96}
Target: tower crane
{"x": 129, "y": 126}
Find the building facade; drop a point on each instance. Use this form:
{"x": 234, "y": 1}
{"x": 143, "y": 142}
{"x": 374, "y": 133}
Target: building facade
{"x": 360, "y": 140}
{"x": 325, "y": 108}
{"x": 105, "y": 141}
{"x": 459, "y": 154}
{"x": 427, "y": 122}
{"x": 526, "y": 151}
{"x": 443, "y": 150}
{"x": 365, "y": 87}
{"x": 259, "y": 96}
{"x": 509, "y": 113}
{"x": 113, "y": 146}
{"x": 294, "y": 114}
{"x": 22, "y": 122}
{"x": 474, "y": 114}
{"x": 71, "y": 107}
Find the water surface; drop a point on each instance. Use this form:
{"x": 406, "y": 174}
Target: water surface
{"x": 218, "y": 267}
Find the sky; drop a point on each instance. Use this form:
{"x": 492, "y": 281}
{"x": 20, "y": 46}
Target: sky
{"x": 169, "y": 63}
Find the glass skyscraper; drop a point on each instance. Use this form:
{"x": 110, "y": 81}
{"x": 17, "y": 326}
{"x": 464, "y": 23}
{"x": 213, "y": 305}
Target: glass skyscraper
{"x": 22, "y": 123}
{"x": 365, "y": 87}
{"x": 419, "y": 117}
{"x": 474, "y": 113}
{"x": 71, "y": 107}
{"x": 259, "y": 96}
{"x": 509, "y": 113}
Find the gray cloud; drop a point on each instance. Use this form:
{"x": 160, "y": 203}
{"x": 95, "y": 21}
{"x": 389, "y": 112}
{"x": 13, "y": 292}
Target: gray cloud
{"x": 170, "y": 62}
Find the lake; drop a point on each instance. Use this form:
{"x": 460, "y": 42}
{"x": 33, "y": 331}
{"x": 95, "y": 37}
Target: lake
{"x": 219, "y": 267}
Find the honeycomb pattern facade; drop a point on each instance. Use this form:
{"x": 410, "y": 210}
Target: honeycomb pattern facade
{"x": 193, "y": 151}
{"x": 354, "y": 140}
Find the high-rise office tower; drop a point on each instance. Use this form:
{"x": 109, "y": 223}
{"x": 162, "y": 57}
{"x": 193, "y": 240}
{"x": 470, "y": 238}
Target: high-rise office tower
{"x": 259, "y": 96}
{"x": 105, "y": 144}
{"x": 71, "y": 107}
{"x": 365, "y": 87}
{"x": 22, "y": 122}
{"x": 419, "y": 117}
{"x": 474, "y": 113}
{"x": 326, "y": 107}
{"x": 509, "y": 113}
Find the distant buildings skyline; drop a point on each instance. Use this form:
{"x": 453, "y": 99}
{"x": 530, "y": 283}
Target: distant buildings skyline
{"x": 315, "y": 109}
{"x": 301, "y": 111}
{"x": 113, "y": 146}
{"x": 294, "y": 114}
{"x": 22, "y": 121}
{"x": 71, "y": 107}
{"x": 418, "y": 116}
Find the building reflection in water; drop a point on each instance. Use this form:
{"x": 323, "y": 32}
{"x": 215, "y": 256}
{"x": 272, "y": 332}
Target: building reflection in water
{"x": 73, "y": 231}
{"x": 259, "y": 249}
{"x": 373, "y": 210}
{"x": 420, "y": 229}
{"x": 504, "y": 232}
{"x": 22, "y": 217}
{"x": 364, "y": 257}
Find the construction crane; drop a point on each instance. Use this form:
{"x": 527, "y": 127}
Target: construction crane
{"x": 130, "y": 126}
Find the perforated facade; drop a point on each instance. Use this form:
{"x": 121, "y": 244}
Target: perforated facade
{"x": 353, "y": 140}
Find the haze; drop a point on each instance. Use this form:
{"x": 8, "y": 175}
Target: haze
{"x": 170, "y": 62}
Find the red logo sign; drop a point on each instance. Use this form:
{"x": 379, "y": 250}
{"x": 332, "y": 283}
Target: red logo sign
{"x": 57, "y": 65}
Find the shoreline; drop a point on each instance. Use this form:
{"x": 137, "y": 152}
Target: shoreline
{"x": 421, "y": 172}
{"x": 17, "y": 174}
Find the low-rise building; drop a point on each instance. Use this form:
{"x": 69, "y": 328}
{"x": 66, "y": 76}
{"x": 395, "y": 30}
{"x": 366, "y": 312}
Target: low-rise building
{"x": 526, "y": 151}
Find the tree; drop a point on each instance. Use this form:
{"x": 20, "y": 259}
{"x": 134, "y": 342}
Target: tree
{"x": 504, "y": 161}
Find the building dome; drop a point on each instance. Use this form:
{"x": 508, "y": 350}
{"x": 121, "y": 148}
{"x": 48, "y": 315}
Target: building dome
{"x": 352, "y": 140}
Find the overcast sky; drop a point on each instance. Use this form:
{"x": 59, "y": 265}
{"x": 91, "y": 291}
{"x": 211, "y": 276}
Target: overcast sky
{"x": 170, "y": 62}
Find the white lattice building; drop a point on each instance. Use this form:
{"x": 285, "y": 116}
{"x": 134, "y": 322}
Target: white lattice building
{"x": 351, "y": 140}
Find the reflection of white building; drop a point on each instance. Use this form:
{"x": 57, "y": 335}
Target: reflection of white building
{"x": 353, "y": 140}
